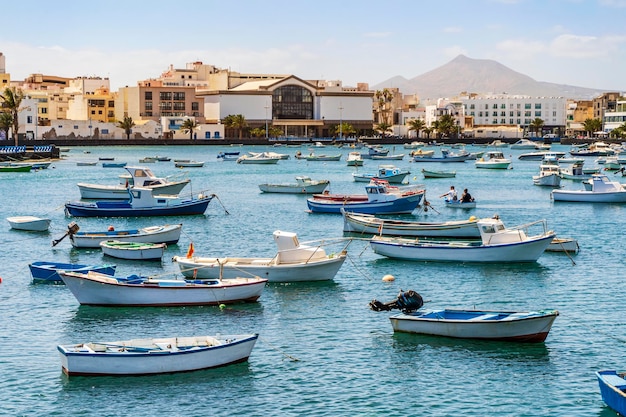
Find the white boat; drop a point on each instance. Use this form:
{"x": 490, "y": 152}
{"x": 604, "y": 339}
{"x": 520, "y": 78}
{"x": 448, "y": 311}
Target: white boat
{"x": 86, "y": 163}
{"x": 30, "y": 223}
{"x": 458, "y": 204}
{"x": 611, "y": 163}
{"x": 136, "y": 177}
{"x": 228, "y": 156}
{"x": 394, "y": 157}
{"x": 493, "y": 160}
{"x": 414, "y": 145}
{"x": 389, "y": 173}
{"x": 438, "y": 174}
{"x": 563, "y": 244}
{"x": 168, "y": 234}
{"x": 303, "y": 185}
{"x": 496, "y": 325}
{"x": 498, "y": 244}
{"x": 525, "y": 144}
{"x": 602, "y": 190}
{"x": 540, "y": 155}
{"x": 155, "y": 355}
{"x": 148, "y": 160}
{"x": 133, "y": 250}
{"x": 257, "y": 159}
{"x": 423, "y": 152}
{"x": 549, "y": 173}
{"x": 354, "y": 159}
{"x": 93, "y": 288}
{"x": 294, "y": 262}
{"x": 189, "y": 164}
{"x": 573, "y": 170}
{"x": 366, "y": 223}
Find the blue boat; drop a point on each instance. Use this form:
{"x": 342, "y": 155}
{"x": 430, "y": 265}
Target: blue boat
{"x": 612, "y": 387}
{"x": 380, "y": 198}
{"x": 141, "y": 203}
{"x": 47, "y": 272}
{"x": 113, "y": 164}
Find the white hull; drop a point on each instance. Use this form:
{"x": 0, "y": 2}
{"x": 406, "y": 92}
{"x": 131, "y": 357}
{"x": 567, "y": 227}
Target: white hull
{"x": 102, "y": 290}
{"x": 294, "y": 188}
{"x": 566, "y": 244}
{"x": 525, "y": 251}
{"x": 461, "y": 205}
{"x": 30, "y": 223}
{"x": 120, "y": 192}
{"x": 580, "y": 196}
{"x": 145, "y": 252}
{"x": 154, "y": 234}
{"x": 511, "y": 329}
{"x": 392, "y": 179}
{"x": 155, "y": 356}
{"x": 493, "y": 165}
{"x": 551, "y": 180}
{"x": 316, "y": 270}
{"x": 360, "y": 223}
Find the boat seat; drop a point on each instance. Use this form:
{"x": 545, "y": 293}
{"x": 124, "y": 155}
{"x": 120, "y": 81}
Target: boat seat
{"x": 615, "y": 380}
{"x": 259, "y": 262}
{"x": 484, "y": 317}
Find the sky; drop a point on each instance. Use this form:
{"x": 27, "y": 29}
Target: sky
{"x": 576, "y": 42}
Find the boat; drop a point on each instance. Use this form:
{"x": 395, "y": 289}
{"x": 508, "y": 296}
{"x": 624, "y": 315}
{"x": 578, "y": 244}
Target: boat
{"x": 374, "y": 150}
{"x": 494, "y": 325}
{"x": 611, "y": 163}
{"x": 525, "y": 144}
{"x": 294, "y": 262}
{"x": 136, "y": 177}
{"x": 549, "y": 173}
{"x": 394, "y": 157}
{"x": 414, "y": 145}
{"x": 446, "y": 156}
{"x": 602, "y": 190}
{"x": 104, "y": 158}
{"x": 595, "y": 149}
{"x": 142, "y": 202}
{"x": 427, "y": 173}
{"x": 86, "y": 163}
{"x": 389, "y": 173}
{"x": 459, "y": 204}
{"x": 16, "y": 168}
{"x": 93, "y": 288}
{"x": 564, "y": 244}
{"x": 189, "y": 164}
{"x": 228, "y": 156}
{"x": 257, "y": 159}
{"x": 368, "y": 224}
{"x": 133, "y": 250}
{"x": 422, "y": 152}
{"x": 574, "y": 170}
{"x": 493, "y": 160}
{"x": 498, "y": 144}
{"x": 113, "y": 164}
{"x": 168, "y": 234}
{"x": 498, "y": 244}
{"x": 323, "y": 157}
{"x": 303, "y": 185}
{"x": 148, "y": 160}
{"x": 354, "y": 159}
{"x": 613, "y": 389}
{"x": 379, "y": 198}
{"x": 48, "y": 272}
{"x": 30, "y": 223}
{"x": 155, "y": 355}
{"x": 540, "y": 155}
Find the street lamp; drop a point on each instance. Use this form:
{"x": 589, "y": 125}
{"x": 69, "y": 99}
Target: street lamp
{"x": 340, "y": 122}
{"x": 266, "y": 133}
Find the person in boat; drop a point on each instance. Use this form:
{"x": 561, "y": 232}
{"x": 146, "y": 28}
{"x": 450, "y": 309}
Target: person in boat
{"x": 466, "y": 197}
{"x": 450, "y": 195}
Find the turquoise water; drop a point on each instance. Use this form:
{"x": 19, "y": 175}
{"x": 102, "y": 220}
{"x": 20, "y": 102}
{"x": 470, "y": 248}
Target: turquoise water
{"x": 321, "y": 350}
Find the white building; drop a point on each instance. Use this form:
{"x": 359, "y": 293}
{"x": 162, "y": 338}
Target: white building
{"x": 614, "y": 119}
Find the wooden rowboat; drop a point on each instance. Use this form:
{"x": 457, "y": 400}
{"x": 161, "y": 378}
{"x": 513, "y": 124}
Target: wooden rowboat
{"x": 438, "y": 174}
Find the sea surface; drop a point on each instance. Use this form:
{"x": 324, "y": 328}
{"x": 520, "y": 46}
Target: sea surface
{"x": 321, "y": 350}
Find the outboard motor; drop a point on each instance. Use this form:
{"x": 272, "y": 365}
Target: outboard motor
{"x": 407, "y": 302}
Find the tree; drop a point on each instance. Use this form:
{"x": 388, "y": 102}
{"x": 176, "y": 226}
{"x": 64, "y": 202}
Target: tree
{"x": 428, "y": 131}
{"x": 346, "y": 130}
{"x": 536, "y": 125}
{"x": 417, "y": 125}
{"x": 6, "y": 121}
{"x": 127, "y": 124}
{"x": 236, "y": 121}
{"x": 275, "y": 131}
{"x": 383, "y": 98}
{"x": 446, "y": 124}
{"x": 592, "y": 125}
{"x": 11, "y": 99}
{"x": 383, "y": 128}
{"x": 188, "y": 126}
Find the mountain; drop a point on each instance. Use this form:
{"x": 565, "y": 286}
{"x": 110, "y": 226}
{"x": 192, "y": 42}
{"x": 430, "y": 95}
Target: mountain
{"x": 464, "y": 74}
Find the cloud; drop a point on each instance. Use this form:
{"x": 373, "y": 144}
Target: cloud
{"x": 583, "y": 47}
{"x": 613, "y": 3}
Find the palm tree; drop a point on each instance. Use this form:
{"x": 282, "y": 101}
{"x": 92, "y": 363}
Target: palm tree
{"x": 383, "y": 128}
{"x": 6, "y": 120}
{"x": 127, "y": 124}
{"x": 236, "y": 121}
{"x": 346, "y": 130}
{"x": 417, "y": 125}
{"x": 446, "y": 124}
{"x": 592, "y": 125}
{"x": 383, "y": 98}
{"x": 189, "y": 125}
{"x": 428, "y": 131}
{"x": 536, "y": 125}
{"x": 11, "y": 99}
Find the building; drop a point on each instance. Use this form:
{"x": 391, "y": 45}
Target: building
{"x": 615, "y": 118}
{"x": 577, "y": 112}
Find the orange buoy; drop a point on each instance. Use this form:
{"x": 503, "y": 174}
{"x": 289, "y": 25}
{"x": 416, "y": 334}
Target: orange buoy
{"x": 388, "y": 278}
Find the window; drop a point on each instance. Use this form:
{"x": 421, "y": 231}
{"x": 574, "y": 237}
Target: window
{"x": 292, "y": 102}
{"x": 472, "y": 106}
{"x": 148, "y": 95}
{"x": 148, "y": 105}
{"x": 537, "y": 105}
{"x": 165, "y": 96}
{"x": 29, "y": 119}
{"x": 495, "y": 105}
{"x": 179, "y": 105}
{"x": 503, "y": 106}
{"x": 527, "y": 106}
{"x": 195, "y": 106}
{"x": 538, "y": 114}
{"x": 179, "y": 96}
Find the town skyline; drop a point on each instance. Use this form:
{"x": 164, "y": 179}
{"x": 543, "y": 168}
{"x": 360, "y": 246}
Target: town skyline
{"x": 575, "y": 42}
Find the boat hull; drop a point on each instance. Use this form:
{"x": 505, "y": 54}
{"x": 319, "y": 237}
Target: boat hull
{"x": 48, "y": 272}
{"x": 169, "y": 356}
{"x": 124, "y": 209}
{"x": 120, "y": 192}
{"x": 103, "y": 291}
{"x": 392, "y": 179}
{"x": 460, "y": 205}
{"x": 524, "y": 251}
{"x": 580, "y": 196}
{"x": 612, "y": 386}
{"x": 133, "y": 250}
{"x": 294, "y": 188}
{"x": 402, "y": 205}
{"x": 168, "y": 234}
{"x": 315, "y": 270}
{"x": 531, "y": 327}
{"x": 29, "y": 223}
{"x": 438, "y": 174}
{"x": 361, "y": 223}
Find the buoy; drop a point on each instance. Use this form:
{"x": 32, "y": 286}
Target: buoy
{"x": 111, "y": 228}
{"x": 388, "y": 278}
{"x": 222, "y": 306}
{"x": 472, "y": 218}
{"x": 0, "y": 280}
